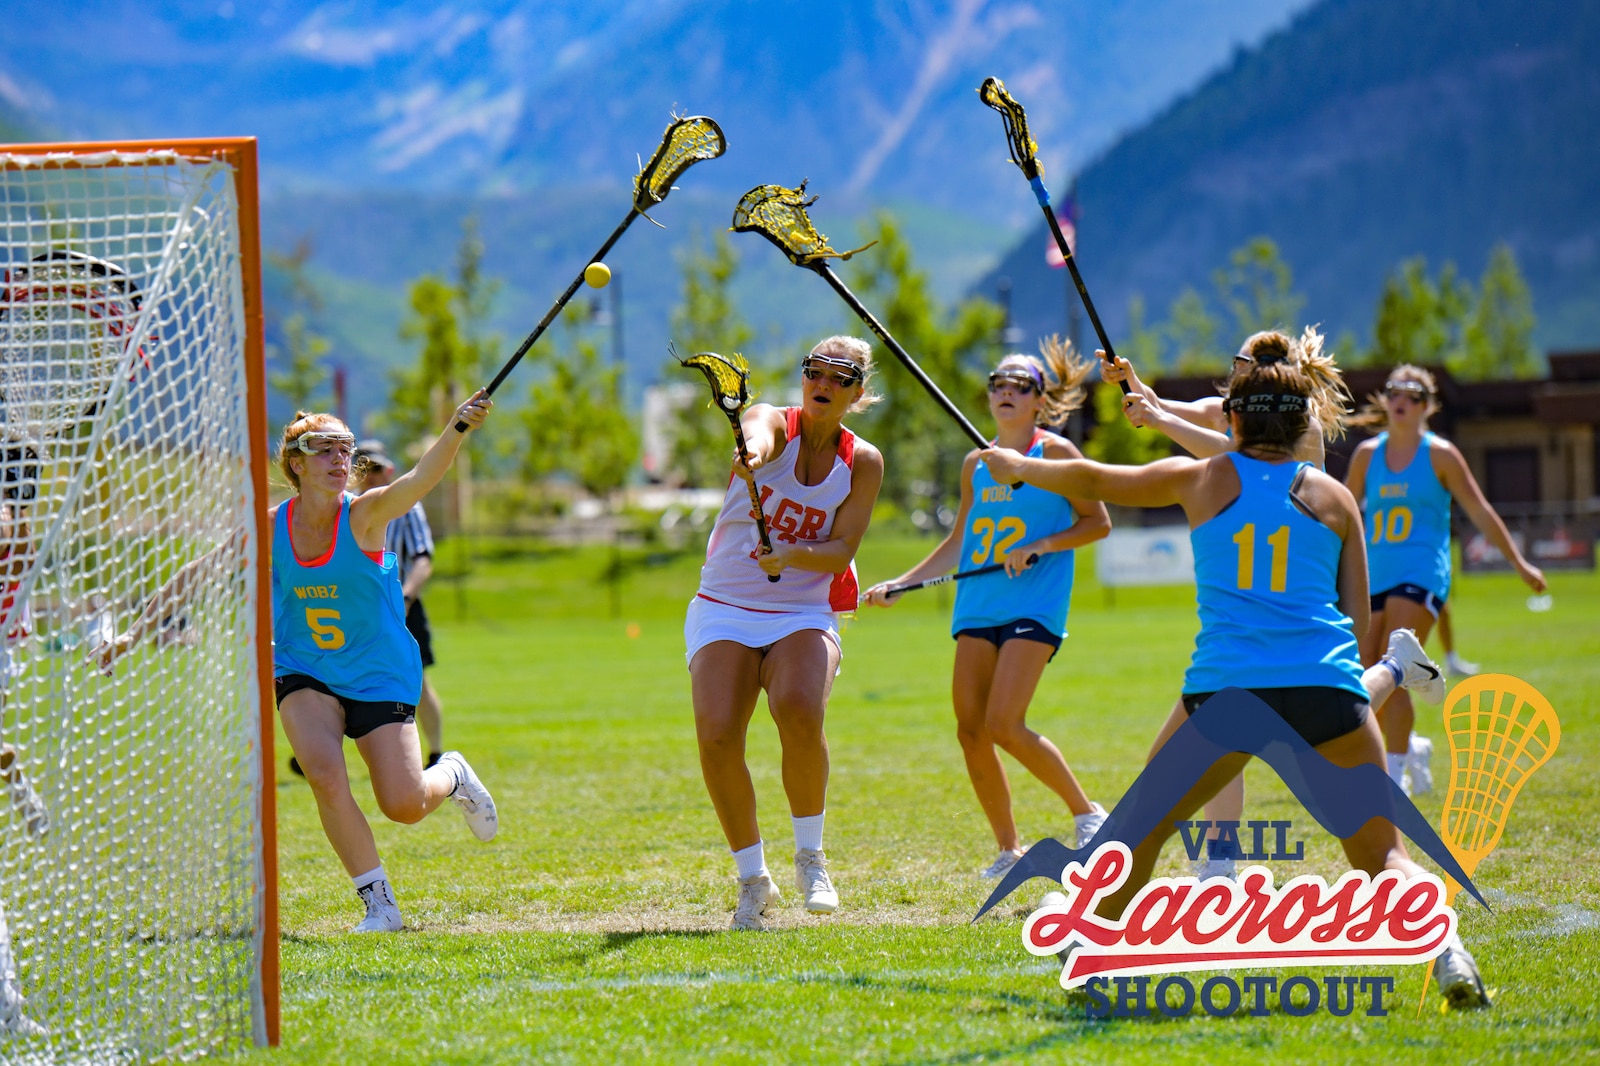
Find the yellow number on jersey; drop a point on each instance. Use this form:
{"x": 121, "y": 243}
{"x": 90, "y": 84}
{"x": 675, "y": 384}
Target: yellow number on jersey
{"x": 1246, "y": 540}
{"x": 1011, "y": 530}
{"x": 1398, "y": 527}
{"x": 329, "y": 637}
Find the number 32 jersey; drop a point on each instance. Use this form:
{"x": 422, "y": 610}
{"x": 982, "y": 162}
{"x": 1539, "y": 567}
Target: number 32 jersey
{"x": 1267, "y": 581}
{"x": 341, "y": 618}
{"x": 1002, "y": 518}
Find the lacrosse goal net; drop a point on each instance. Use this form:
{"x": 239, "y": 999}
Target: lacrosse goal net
{"x": 137, "y": 850}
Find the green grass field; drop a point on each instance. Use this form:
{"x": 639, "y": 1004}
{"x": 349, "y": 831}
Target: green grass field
{"x": 593, "y": 928}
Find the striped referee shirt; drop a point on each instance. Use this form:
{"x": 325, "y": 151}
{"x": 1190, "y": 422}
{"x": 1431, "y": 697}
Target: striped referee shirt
{"x": 409, "y": 537}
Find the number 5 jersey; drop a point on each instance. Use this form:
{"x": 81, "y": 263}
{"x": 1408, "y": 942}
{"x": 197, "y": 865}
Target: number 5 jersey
{"x": 341, "y": 618}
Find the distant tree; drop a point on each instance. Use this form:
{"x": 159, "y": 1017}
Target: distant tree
{"x": 576, "y": 421}
{"x": 1497, "y": 339}
{"x": 446, "y": 317}
{"x": 302, "y": 375}
{"x": 1420, "y": 321}
{"x": 1114, "y": 439}
{"x": 1143, "y": 345}
{"x": 1257, "y": 289}
{"x": 922, "y": 446}
{"x": 706, "y": 321}
{"x": 1192, "y": 332}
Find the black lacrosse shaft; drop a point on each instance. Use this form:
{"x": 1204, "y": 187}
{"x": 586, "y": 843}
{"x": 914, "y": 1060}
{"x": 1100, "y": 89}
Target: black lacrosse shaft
{"x": 900, "y": 353}
{"x": 1077, "y": 279}
{"x": 945, "y": 579}
{"x": 755, "y": 497}
{"x": 550, "y": 315}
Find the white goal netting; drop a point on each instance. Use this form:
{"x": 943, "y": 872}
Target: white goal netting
{"x": 130, "y": 838}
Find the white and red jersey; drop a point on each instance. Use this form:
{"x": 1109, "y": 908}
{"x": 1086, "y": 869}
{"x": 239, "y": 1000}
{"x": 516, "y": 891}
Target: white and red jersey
{"x": 795, "y": 513}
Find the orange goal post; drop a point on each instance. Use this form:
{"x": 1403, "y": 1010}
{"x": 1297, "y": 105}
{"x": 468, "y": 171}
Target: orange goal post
{"x": 138, "y": 850}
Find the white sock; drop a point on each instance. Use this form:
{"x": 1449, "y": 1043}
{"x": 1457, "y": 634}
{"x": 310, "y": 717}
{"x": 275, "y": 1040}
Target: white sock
{"x": 751, "y": 861}
{"x": 1397, "y": 768}
{"x": 808, "y": 831}
{"x": 374, "y": 874}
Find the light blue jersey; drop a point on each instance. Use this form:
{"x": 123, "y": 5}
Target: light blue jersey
{"x": 341, "y": 619}
{"x": 1407, "y": 522}
{"x": 1267, "y": 581}
{"x": 1002, "y": 518}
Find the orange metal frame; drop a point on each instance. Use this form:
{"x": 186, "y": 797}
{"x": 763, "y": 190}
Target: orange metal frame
{"x": 239, "y": 153}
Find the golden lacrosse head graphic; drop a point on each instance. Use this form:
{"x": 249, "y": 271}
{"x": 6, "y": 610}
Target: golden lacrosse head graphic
{"x": 1501, "y": 729}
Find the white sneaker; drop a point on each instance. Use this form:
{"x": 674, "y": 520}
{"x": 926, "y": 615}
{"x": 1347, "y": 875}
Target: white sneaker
{"x": 1419, "y": 673}
{"x": 383, "y": 913}
{"x": 1459, "y": 666}
{"x": 477, "y": 806}
{"x": 1089, "y": 824}
{"x": 1208, "y": 868}
{"x": 811, "y": 880}
{"x": 35, "y": 815}
{"x": 1457, "y": 974}
{"x": 1419, "y": 765}
{"x": 756, "y": 896}
{"x": 1002, "y": 862}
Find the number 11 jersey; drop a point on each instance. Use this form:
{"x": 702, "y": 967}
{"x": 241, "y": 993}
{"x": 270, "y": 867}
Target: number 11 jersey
{"x": 1267, "y": 581}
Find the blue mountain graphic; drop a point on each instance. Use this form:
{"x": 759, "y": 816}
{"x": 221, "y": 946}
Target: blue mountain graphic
{"x": 1341, "y": 799}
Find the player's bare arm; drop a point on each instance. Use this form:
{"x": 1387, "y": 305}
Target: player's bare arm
{"x": 1454, "y": 474}
{"x": 373, "y": 510}
{"x": 832, "y": 556}
{"x": 943, "y": 558}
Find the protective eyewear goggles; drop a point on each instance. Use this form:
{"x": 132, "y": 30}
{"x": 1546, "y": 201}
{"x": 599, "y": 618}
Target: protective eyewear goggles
{"x": 844, "y": 373}
{"x": 1414, "y": 390}
{"x": 1018, "y": 379}
{"x": 318, "y": 443}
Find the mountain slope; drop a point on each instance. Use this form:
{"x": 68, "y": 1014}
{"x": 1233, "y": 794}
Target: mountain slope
{"x": 1367, "y": 132}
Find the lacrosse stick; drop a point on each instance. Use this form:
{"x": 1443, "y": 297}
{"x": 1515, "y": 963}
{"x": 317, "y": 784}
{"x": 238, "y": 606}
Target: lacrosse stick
{"x": 1501, "y": 730}
{"x": 779, "y": 215}
{"x": 729, "y": 378}
{"x": 686, "y": 142}
{"x": 945, "y": 579}
{"x": 1024, "y": 153}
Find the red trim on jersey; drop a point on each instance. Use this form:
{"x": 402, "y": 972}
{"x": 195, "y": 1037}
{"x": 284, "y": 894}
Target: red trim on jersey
{"x": 847, "y": 440}
{"x": 322, "y": 560}
{"x": 735, "y": 606}
{"x": 844, "y": 593}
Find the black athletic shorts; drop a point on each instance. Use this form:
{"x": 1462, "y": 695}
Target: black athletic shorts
{"x": 1021, "y": 629}
{"x": 360, "y": 716}
{"x": 1318, "y": 713}
{"x": 417, "y": 623}
{"x": 1414, "y": 593}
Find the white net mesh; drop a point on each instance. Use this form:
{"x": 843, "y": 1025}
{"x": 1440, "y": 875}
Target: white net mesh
{"x": 130, "y": 847}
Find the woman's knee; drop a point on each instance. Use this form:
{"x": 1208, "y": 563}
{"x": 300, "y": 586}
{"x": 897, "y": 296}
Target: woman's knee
{"x": 1007, "y": 731}
{"x": 408, "y": 806}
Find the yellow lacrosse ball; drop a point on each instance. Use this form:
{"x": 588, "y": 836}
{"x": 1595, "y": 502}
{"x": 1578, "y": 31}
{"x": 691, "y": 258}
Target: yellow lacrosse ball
{"x": 598, "y": 275}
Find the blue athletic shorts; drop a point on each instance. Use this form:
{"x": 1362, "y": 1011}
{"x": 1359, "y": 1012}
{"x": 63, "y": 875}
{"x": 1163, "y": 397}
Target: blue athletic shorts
{"x": 1414, "y": 593}
{"x": 1021, "y": 629}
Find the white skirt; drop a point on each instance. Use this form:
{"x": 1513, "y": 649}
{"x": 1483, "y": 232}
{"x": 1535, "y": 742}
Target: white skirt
{"x": 708, "y": 621}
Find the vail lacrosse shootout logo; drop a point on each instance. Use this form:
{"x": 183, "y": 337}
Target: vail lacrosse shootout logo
{"x": 1500, "y": 730}
{"x": 1182, "y": 924}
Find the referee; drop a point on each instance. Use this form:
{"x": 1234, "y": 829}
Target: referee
{"x": 410, "y": 539}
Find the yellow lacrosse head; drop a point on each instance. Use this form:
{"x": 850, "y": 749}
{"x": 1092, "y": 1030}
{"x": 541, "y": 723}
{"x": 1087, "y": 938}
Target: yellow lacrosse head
{"x": 1024, "y": 150}
{"x": 779, "y": 215}
{"x": 686, "y": 142}
{"x": 1501, "y": 729}
{"x": 728, "y": 376}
